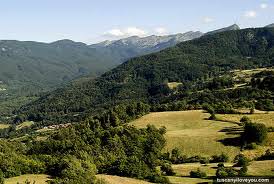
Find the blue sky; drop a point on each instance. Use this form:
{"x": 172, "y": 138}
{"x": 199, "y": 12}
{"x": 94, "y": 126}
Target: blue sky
{"x": 91, "y": 21}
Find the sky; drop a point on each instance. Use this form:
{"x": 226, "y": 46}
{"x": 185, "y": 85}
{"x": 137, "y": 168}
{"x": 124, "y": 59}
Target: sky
{"x": 92, "y": 21}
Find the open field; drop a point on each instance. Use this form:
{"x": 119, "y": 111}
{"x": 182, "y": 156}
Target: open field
{"x": 258, "y": 117}
{"x": 191, "y": 132}
{"x": 38, "y": 178}
{"x": 187, "y": 180}
{"x": 256, "y": 168}
{"x": 173, "y": 85}
{"x": 120, "y": 180}
{"x": 246, "y": 74}
{"x": 2, "y": 126}
{"x": 184, "y": 169}
{"x": 24, "y": 124}
{"x": 261, "y": 168}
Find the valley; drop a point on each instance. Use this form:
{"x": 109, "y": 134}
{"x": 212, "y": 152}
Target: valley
{"x": 190, "y": 113}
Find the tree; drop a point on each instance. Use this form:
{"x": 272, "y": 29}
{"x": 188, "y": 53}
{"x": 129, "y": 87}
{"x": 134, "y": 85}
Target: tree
{"x": 197, "y": 174}
{"x": 1, "y": 177}
{"x": 245, "y": 120}
{"x": 254, "y": 132}
{"x": 167, "y": 169}
{"x": 241, "y": 161}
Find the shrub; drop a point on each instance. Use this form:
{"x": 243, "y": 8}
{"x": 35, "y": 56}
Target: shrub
{"x": 251, "y": 146}
{"x": 252, "y": 110}
{"x": 226, "y": 172}
{"x": 197, "y": 174}
{"x": 212, "y": 117}
{"x": 204, "y": 161}
{"x": 221, "y": 165}
{"x": 245, "y": 120}
{"x": 267, "y": 156}
{"x": 219, "y": 158}
{"x": 243, "y": 171}
{"x": 1, "y": 177}
{"x": 254, "y": 132}
{"x": 241, "y": 161}
{"x": 167, "y": 169}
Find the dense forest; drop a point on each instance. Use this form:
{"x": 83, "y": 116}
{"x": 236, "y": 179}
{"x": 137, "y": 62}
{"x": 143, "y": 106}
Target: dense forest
{"x": 145, "y": 78}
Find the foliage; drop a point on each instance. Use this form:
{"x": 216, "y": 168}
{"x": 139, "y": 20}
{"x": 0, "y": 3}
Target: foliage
{"x": 254, "y": 133}
{"x": 241, "y": 161}
{"x": 268, "y": 155}
{"x": 219, "y": 158}
{"x": 167, "y": 169}
{"x": 144, "y": 78}
{"x": 197, "y": 174}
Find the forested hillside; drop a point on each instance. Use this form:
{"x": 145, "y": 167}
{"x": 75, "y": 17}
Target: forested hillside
{"x": 145, "y": 78}
{"x": 36, "y": 66}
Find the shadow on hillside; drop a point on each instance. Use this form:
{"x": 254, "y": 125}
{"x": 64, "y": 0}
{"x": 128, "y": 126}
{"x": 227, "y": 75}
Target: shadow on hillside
{"x": 232, "y": 130}
{"x": 225, "y": 121}
{"x": 232, "y": 141}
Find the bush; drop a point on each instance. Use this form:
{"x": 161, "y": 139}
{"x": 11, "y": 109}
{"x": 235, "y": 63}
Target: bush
{"x": 252, "y": 110}
{"x": 251, "y": 146}
{"x": 243, "y": 171}
{"x": 220, "y": 165}
{"x": 241, "y": 161}
{"x": 204, "y": 161}
{"x": 245, "y": 120}
{"x": 254, "y": 132}
{"x": 212, "y": 117}
{"x": 219, "y": 158}
{"x": 1, "y": 177}
{"x": 267, "y": 156}
{"x": 167, "y": 169}
{"x": 197, "y": 174}
{"x": 226, "y": 172}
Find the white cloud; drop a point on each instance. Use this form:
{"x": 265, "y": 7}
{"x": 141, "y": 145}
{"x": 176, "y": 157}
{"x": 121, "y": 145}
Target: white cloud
{"x": 161, "y": 30}
{"x": 207, "y": 19}
{"x": 130, "y": 31}
{"x": 250, "y": 14}
{"x": 263, "y": 5}
{"x": 134, "y": 31}
{"x": 114, "y": 32}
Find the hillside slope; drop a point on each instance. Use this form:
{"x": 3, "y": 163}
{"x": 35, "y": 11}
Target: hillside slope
{"x": 144, "y": 78}
{"x": 40, "y": 65}
{"x": 134, "y": 46}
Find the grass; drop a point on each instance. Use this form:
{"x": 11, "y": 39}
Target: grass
{"x": 38, "y": 178}
{"x": 120, "y": 180}
{"x": 256, "y": 168}
{"x": 2, "y": 126}
{"x": 191, "y": 132}
{"x": 247, "y": 74}
{"x": 261, "y": 168}
{"x": 184, "y": 169}
{"x": 24, "y": 124}
{"x": 187, "y": 180}
{"x": 173, "y": 85}
{"x": 259, "y": 117}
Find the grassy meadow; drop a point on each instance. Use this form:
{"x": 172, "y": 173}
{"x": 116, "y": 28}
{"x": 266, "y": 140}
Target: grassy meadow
{"x": 38, "y": 178}
{"x": 120, "y": 180}
{"x": 2, "y": 126}
{"x": 191, "y": 132}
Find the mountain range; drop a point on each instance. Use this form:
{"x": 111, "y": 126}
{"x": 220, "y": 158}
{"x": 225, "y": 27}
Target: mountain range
{"x": 144, "y": 78}
{"x": 35, "y": 66}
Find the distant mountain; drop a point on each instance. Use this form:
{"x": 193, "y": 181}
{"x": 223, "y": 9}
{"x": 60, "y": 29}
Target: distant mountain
{"x": 229, "y": 28}
{"x": 136, "y": 46}
{"x": 270, "y": 25}
{"x": 144, "y": 78}
{"x": 33, "y": 66}
{"x": 36, "y": 66}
